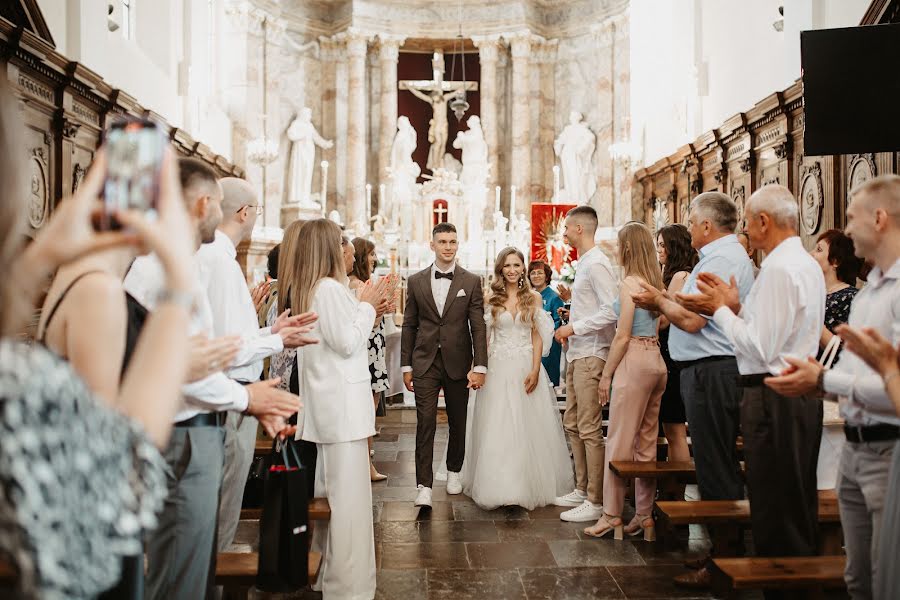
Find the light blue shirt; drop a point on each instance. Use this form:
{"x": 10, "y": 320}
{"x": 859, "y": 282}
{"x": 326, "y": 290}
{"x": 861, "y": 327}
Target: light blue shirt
{"x": 724, "y": 257}
{"x": 644, "y": 323}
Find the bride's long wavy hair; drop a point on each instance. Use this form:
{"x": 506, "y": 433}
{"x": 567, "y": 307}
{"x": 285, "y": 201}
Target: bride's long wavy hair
{"x": 526, "y": 301}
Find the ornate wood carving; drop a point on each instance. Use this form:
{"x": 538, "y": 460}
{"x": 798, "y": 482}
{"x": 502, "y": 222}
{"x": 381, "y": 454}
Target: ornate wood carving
{"x": 39, "y": 196}
{"x": 860, "y": 169}
{"x": 812, "y": 197}
{"x": 660, "y": 214}
{"x": 738, "y": 194}
{"x": 77, "y": 175}
{"x": 746, "y": 164}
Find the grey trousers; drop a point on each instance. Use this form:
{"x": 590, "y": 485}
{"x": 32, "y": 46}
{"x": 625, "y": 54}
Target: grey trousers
{"x": 887, "y": 583}
{"x": 862, "y": 488}
{"x": 713, "y": 401}
{"x": 180, "y": 552}
{"x": 240, "y": 443}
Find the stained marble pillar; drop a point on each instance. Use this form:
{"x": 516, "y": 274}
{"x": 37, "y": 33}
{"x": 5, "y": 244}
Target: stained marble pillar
{"x": 329, "y": 52}
{"x": 388, "y": 53}
{"x": 542, "y": 155}
{"x": 621, "y": 68}
{"x": 488, "y": 54}
{"x": 520, "y": 171}
{"x": 604, "y": 198}
{"x": 357, "y": 44}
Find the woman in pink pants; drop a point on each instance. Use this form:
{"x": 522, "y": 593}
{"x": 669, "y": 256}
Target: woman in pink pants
{"x": 637, "y": 373}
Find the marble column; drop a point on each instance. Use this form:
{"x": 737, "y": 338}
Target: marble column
{"x": 520, "y": 48}
{"x": 621, "y": 126}
{"x": 329, "y": 51}
{"x": 542, "y": 155}
{"x": 605, "y": 99}
{"x": 488, "y": 54}
{"x": 357, "y": 45}
{"x": 388, "y": 54}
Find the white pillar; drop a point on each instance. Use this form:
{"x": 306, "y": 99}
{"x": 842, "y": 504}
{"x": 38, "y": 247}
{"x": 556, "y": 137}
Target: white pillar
{"x": 357, "y": 45}
{"x": 488, "y": 54}
{"x": 520, "y": 46}
{"x": 388, "y": 54}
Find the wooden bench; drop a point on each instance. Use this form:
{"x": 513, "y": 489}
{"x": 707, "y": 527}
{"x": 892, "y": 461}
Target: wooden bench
{"x": 236, "y": 572}
{"x": 812, "y": 573}
{"x": 682, "y": 471}
{"x": 670, "y": 514}
{"x": 319, "y": 510}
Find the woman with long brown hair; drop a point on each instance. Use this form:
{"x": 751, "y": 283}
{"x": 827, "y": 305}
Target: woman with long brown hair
{"x": 515, "y": 448}
{"x": 338, "y": 417}
{"x": 637, "y": 374}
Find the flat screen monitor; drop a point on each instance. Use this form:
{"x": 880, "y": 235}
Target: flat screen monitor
{"x": 851, "y": 88}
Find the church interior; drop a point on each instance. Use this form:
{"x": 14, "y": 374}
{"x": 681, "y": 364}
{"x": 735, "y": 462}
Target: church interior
{"x": 390, "y": 117}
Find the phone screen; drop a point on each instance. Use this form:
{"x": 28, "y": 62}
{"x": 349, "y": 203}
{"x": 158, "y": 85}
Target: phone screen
{"x": 134, "y": 151}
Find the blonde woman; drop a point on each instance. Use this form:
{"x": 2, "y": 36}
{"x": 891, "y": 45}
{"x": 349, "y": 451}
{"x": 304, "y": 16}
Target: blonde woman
{"x": 515, "y": 448}
{"x": 637, "y": 374}
{"x": 338, "y": 417}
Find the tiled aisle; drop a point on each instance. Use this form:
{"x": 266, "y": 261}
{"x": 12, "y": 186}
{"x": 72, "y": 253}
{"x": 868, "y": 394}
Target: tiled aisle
{"x": 459, "y": 551}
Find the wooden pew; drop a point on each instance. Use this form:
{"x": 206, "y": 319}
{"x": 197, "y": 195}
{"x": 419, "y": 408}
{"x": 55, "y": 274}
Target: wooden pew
{"x": 318, "y": 511}
{"x": 730, "y": 575}
{"x": 680, "y": 471}
{"x": 670, "y": 514}
{"x": 236, "y": 572}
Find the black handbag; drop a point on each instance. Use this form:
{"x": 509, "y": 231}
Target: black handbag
{"x": 284, "y": 524}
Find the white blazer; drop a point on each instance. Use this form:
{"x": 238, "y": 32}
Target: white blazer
{"x": 335, "y": 384}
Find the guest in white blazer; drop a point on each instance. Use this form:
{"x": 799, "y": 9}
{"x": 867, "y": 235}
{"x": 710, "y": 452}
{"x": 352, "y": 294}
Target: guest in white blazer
{"x": 337, "y": 415}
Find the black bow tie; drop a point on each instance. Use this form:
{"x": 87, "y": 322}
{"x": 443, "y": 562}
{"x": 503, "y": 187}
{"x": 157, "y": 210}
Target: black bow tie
{"x": 439, "y": 275}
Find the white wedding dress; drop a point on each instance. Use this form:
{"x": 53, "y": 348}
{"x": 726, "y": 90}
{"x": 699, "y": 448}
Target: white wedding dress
{"x": 516, "y": 450}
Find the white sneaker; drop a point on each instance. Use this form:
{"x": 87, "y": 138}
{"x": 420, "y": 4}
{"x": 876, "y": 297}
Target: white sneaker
{"x": 574, "y": 498}
{"x": 588, "y": 511}
{"x": 454, "y": 486}
{"x": 424, "y": 496}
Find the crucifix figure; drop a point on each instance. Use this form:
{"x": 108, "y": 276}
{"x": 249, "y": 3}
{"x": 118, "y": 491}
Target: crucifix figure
{"x": 436, "y": 92}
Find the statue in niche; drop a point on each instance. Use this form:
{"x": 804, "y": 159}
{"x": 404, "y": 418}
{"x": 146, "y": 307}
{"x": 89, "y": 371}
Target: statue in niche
{"x": 403, "y": 173}
{"x": 575, "y": 147}
{"x": 475, "y": 171}
{"x": 305, "y": 138}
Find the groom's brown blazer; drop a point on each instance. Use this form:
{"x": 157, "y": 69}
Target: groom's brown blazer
{"x": 460, "y": 332}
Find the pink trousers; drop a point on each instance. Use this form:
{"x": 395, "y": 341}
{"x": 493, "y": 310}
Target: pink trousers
{"x": 637, "y": 388}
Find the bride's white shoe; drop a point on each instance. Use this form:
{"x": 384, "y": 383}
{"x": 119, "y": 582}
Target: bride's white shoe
{"x": 454, "y": 485}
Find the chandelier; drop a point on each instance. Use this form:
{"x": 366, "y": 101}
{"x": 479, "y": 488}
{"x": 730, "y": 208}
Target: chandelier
{"x": 458, "y": 103}
{"x": 263, "y": 150}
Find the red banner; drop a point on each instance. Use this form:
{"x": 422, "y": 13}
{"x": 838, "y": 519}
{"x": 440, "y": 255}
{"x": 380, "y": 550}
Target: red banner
{"x": 547, "y": 241}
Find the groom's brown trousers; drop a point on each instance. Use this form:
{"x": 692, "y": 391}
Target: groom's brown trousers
{"x": 584, "y": 425}
{"x": 456, "y": 396}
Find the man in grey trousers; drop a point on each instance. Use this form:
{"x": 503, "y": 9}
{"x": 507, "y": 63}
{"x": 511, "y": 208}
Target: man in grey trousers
{"x": 708, "y": 366}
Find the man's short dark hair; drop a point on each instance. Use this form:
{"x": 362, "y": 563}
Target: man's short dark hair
{"x": 586, "y": 212}
{"x": 272, "y": 261}
{"x": 443, "y": 228}
{"x": 192, "y": 171}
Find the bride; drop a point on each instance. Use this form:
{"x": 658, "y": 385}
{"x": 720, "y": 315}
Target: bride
{"x": 515, "y": 448}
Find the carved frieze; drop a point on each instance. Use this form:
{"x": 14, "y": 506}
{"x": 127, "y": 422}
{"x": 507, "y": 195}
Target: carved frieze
{"x": 812, "y": 197}
{"x": 86, "y": 113}
{"x": 39, "y": 196}
{"x": 35, "y": 88}
{"x": 738, "y": 194}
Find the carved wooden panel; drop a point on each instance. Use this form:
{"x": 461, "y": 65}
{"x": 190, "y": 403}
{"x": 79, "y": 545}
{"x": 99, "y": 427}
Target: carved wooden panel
{"x": 811, "y": 197}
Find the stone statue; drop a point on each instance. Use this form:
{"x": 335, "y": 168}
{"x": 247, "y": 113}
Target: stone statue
{"x": 575, "y": 146}
{"x": 403, "y": 173}
{"x": 521, "y": 234}
{"x": 452, "y": 165}
{"x": 475, "y": 169}
{"x": 305, "y": 138}
{"x": 437, "y": 125}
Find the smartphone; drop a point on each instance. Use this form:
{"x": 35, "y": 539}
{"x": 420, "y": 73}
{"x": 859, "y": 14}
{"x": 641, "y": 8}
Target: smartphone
{"x": 134, "y": 151}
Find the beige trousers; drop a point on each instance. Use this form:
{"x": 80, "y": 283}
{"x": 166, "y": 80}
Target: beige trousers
{"x": 583, "y": 424}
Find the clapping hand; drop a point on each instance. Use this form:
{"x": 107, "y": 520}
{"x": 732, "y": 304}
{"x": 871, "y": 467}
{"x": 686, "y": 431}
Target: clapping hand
{"x": 210, "y": 356}
{"x": 259, "y": 294}
{"x": 377, "y": 294}
{"x": 714, "y": 294}
{"x": 872, "y": 347}
{"x": 564, "y": 293}
{"x": 648, "y": 297}
{"x": 301, "y": 320}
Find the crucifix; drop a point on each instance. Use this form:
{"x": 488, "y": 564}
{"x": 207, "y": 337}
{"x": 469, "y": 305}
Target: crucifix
{"x": 436, "y": 92}
{"x": 440, "y": 212}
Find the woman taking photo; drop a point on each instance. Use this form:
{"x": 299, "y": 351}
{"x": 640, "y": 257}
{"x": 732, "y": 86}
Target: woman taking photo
{"x": 637, "y": 374}
{"x": 677, "y": 257}
{"x": 335, "y": 383}
{"x": 539, "y": 274}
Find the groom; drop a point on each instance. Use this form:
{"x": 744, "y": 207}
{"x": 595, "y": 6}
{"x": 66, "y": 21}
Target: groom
{"x": 443, "y": 326}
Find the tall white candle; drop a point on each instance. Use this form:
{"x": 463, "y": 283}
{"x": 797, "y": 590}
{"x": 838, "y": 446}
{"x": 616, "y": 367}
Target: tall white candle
{"x": 512, "y": 206}
{"x": 368, "y": 206}
{"x": 497, "y": 199}
{"x": 555, "y": 183}
{"x": 382, "y": 190}
{"x": 324, "y": 196}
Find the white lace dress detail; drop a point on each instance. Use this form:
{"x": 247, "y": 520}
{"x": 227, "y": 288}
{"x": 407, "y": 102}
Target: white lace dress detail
{"x": 79, "y": 482}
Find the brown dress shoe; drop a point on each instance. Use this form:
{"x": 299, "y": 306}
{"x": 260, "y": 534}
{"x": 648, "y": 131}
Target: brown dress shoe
{"x": 701, "y": 579}
{"x": 696, "y": 563}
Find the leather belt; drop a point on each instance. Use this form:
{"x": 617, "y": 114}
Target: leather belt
{"x": 690, "y": 363}
{"x": 213, "y": 419}
{"x": 871, "y": 433}
{"x": 754, "y": 380}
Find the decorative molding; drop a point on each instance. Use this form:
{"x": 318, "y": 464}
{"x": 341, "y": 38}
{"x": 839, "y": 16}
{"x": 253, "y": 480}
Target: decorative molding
{"x": 86, "y": 113}
{"x": 771, "y": 134}
{"x": 736, "y": 150}
{"x": 520, "y": 43}
{"x": 746, "y": 164}
{"x": 812, "y": 197}
{"x": 36, "y": 89}
{"x": 860, "y": 169}
{"x": 783, "y": 149}
{"x": 738, "y": 195}
{"x": 69, "y": 128}
{"x": 660, "y": 214}
{"x": 77, "y": 175}
{"x": 39, "y": 196}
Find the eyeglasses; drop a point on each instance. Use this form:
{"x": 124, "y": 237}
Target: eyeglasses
{"x": 259, "y": 208}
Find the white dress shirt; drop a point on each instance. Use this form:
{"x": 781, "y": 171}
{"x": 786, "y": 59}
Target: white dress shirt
{"x": 145, "y": 281}
{"x": 863, "y": 397}
{"x": 593, "y": 292}
{"x": 233, "y": 311}
{"x": 783, "y": 313}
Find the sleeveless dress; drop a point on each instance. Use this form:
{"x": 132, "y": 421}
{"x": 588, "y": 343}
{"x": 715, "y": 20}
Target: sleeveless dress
{"x": 516, "y": 451}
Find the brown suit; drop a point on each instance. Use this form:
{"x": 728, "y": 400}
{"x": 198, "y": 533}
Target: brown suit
{"x": 440, "y": 350}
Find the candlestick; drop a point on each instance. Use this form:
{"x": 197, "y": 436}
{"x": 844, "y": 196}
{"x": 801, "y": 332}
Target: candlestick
{"x": 368, "y": 206}
{"x": 382, "y": 190}
{"x": 497, "y": 199}
{"x": 555, "y": 183}
{"x": 324, "y": 196}
{"x": 512, "y": 206}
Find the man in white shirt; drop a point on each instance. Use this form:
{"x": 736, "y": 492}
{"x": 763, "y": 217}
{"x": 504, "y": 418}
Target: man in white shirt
{"x": 781, "y": 316}
{"x": 233, "y": 313}
{"x": 872, "y": 426}
{"x": 180, "y": 552}
{"x": 589, "y": 333}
